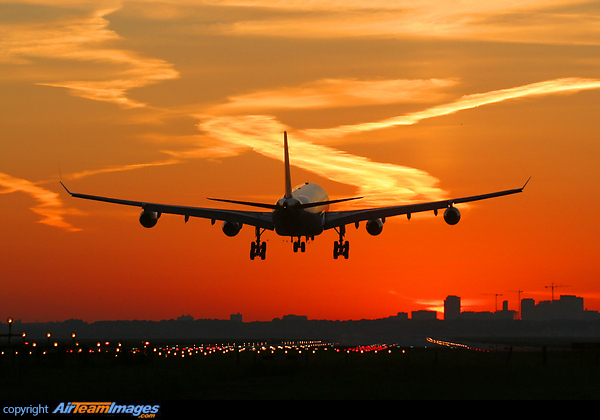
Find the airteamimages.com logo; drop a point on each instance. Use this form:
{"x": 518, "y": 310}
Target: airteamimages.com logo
{"x": 142, "y": 411}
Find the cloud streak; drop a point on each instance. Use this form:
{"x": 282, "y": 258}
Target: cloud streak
{"x": 49, "y": 206}
{"x": 534, "y": 21}
{"x": 123, "y": 168}
{"x": 330, "y": 93}
{"x": 244, "y": 121}
{"x": 84, "y": 38}
{"x": 550, "y": 87}
{"x": 380, "y": 183}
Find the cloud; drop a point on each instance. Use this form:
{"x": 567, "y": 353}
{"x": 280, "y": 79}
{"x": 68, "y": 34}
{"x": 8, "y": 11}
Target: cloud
{"x": 533, "y": 21}
{"x": 83, "y": 38}
{"x": 329, "y": 93}
{"x": 49, "y": 206}
{"x": 557, "y": 86}
{"x": 380, "y": 183}
{"x": 122, "y": 168}
{"x": 86, "y": 37}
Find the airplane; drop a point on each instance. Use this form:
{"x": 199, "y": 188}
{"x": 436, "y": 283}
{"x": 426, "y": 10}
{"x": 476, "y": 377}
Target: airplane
{"x": 301, "y": 212}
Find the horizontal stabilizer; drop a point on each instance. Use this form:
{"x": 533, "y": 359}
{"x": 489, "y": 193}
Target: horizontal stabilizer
{"x": 324, "y": 203}
{"x": 246, "y": 203}
{"x": 275, "y": 206}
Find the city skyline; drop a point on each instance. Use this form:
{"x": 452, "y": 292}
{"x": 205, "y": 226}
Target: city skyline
{"x": 571, "y": 305}
{"x": 174, "y": 101}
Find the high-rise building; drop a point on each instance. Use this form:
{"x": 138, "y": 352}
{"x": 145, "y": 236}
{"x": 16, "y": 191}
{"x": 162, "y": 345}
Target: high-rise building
{"x": 451, "y": 308}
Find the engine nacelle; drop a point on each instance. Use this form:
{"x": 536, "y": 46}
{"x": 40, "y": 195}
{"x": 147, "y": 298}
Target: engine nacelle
{"x": 374, "y": 227}
{"x": 452, "y": 215}
{"x": 149, "y": 219}
{"x": 231, "y": 228}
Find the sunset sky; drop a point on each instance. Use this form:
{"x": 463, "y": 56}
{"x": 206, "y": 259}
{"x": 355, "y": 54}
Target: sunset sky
{"x": 174, "y": 101}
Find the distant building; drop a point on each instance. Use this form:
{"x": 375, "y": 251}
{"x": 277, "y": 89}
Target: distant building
{"x": 505, "y": 313}
{"x": 235, "y": 317}
{"x": 423, "y": 315}
{"x": 400, "y": 316}
{"x": 470, "y": 315}
{"x": 567, "y": 307}
{"x": 294, "y": 318}
{"x": 451, "y": 308}
{"x": 528, "y": 311}
{"x": 452, "y": 311}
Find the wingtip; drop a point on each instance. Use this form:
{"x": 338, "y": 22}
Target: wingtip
{"x": 65, "y": 187}
{"x": 527, "y": 182}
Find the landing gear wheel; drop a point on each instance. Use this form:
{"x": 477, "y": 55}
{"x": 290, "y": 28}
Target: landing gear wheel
{"x": 299, "y": 245}
{"x": 346, "y": 250}
{"x": 341, "y": 248}
{"x": 258, "y": 248}
{"x": 263, "y": 251}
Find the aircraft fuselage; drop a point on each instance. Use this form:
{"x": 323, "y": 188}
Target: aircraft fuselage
{"x": 290, "y": 220}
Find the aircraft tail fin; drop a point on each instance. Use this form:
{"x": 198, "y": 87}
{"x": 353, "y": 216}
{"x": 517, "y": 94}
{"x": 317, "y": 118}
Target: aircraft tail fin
{"x": 288, "y": 188}
{"x": 286, "y": 156}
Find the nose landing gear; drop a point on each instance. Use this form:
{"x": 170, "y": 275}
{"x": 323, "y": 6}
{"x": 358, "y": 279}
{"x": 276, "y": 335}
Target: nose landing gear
{"x": 300, "y": 245}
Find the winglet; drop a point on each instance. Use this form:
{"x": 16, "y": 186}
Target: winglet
{"x": 286, "y": 158}
{"x": 65, "y": 187}
{"x": 523, "y": 187}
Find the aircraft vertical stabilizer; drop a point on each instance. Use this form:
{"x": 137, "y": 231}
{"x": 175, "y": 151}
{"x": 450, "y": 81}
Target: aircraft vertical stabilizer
{"x": 288, "y": 178}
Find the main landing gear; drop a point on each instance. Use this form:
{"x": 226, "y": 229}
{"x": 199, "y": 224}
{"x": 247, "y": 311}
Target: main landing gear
{"x": 258, "y": 248}
{"x": 341, "y": 248}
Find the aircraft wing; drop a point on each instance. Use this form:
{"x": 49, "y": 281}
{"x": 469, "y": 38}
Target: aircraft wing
{"x": 262, "y": 220}
{"x": 341, "y": 218}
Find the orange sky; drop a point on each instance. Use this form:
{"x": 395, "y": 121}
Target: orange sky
{"x": 399, "y": 101}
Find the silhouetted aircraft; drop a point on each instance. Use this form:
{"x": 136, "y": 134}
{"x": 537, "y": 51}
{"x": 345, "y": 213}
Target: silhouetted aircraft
{"x": 301, "y": 212}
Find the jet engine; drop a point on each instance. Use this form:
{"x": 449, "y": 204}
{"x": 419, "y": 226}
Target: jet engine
{"x": 231, "y": 228}
{"x": 374, "y": 227}
{"x": 452, "y": 215}
{"x": 149, "y": 219}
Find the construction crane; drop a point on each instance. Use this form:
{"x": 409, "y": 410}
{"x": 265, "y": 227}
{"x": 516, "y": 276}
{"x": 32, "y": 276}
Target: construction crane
{"x": 495, "y": 299}
{"x": 519, "y": 294}
{"x": 554, "y": 286}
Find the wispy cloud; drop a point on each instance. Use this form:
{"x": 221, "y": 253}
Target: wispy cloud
{"x": 539, "y": 21}
{"x": 329, "y": 93}
{"x": 122, "y": 168}
{"x": 84, "y": 37}
{"x": 245, "y": 121}
{"x": 558, "y": 86}
{"x": 380, "y": 183}
{"x": 49, "y": 206}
